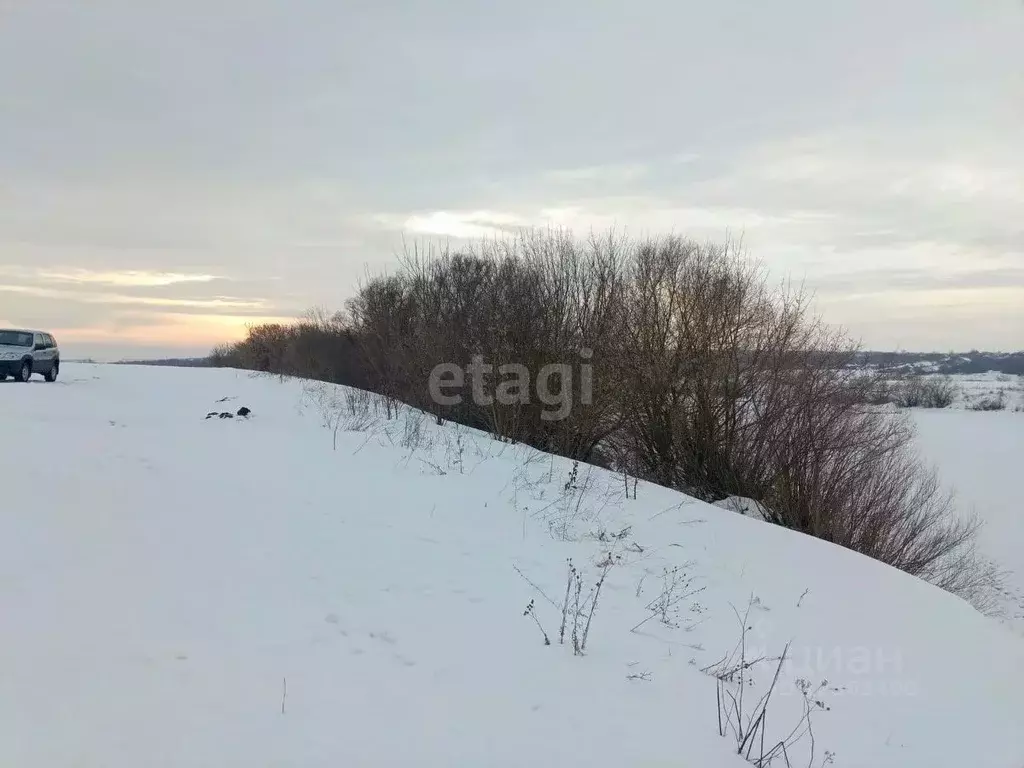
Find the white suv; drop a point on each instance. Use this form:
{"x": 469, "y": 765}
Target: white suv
{"x": 23, "y": 353}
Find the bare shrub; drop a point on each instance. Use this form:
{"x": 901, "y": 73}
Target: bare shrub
{"x": 577, "y": 610}
{"x": 359, "y": 409}
{"x": 854, "y": 480}
{"x": 340, "y": 409}
{"x": 320, "y": 347}
{"x": 977, "y": 579}
{"x": 940, "y": 392}
{"x": 412, "y": 430}
{"x": 531, "y": 611}
{"x": 705, "y": 378}
{"x": 876, "y": 387}
{"x": 733, "y": 389}
{"x": 224, "y": 356}
{"x": 917, "y": 391}
{"x": 990, "y": 403}
{"x": 745, "y": 721}
{"x": 455, "y": 449}
{"x": 525, "y": 303}
{"x": 677, "y": 586}
{"x": 583, "y": 613}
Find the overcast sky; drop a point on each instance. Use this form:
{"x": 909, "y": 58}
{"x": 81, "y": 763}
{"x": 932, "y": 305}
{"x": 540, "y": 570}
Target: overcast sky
{"x": 173, "y": 169}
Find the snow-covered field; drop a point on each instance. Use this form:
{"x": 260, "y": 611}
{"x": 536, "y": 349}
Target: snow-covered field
{"x": 981, "y": 455}
{"x": 177, "y": 591}
{"x": 982, "y": 391}
{"x": 991, "y": 387}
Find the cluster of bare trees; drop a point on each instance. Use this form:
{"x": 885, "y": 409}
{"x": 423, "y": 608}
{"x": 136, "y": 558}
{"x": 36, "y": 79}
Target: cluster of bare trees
{"x": 321, "y": 347}
{"x": 704, "y": 377}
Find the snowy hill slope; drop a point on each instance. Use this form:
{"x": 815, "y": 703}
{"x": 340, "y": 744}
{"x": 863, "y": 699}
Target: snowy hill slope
{"x": 178, "y": 591}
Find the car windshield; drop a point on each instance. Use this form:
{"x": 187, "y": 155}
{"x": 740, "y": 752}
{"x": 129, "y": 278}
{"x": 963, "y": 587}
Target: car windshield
{"x": 15, "y": 339}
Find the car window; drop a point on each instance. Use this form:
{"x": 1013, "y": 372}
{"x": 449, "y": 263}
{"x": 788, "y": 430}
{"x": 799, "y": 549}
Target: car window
{"x": 50, "y": 343}
{"x": 16, "y": 338}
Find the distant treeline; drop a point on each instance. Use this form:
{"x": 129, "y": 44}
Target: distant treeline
{"x": 945, "y": 363}
{"x": 172, "y": 362}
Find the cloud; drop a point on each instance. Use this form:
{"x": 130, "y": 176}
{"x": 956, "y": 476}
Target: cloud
{"x": 642, "y": 215}
{"x": 126, "y": 278}
{"x": 595, "y": 173}
{"x": 120, "y": 278}
{"x": 456, "y": 224}
{"x": 681, "y": 158}
{"x": 662, "y": 216}
{"x": 220, "y": 302}
{"x": 882, "y": 183}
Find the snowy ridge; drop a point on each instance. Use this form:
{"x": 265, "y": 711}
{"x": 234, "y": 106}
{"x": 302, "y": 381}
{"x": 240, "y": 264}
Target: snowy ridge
{"x": 319, "y": 587}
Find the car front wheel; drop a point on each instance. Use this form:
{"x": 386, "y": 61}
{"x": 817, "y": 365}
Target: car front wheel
{"x": 25, "y": 373}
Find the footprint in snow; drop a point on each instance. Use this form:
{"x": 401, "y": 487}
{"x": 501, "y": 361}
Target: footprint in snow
{"x": 384, "y": 637}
